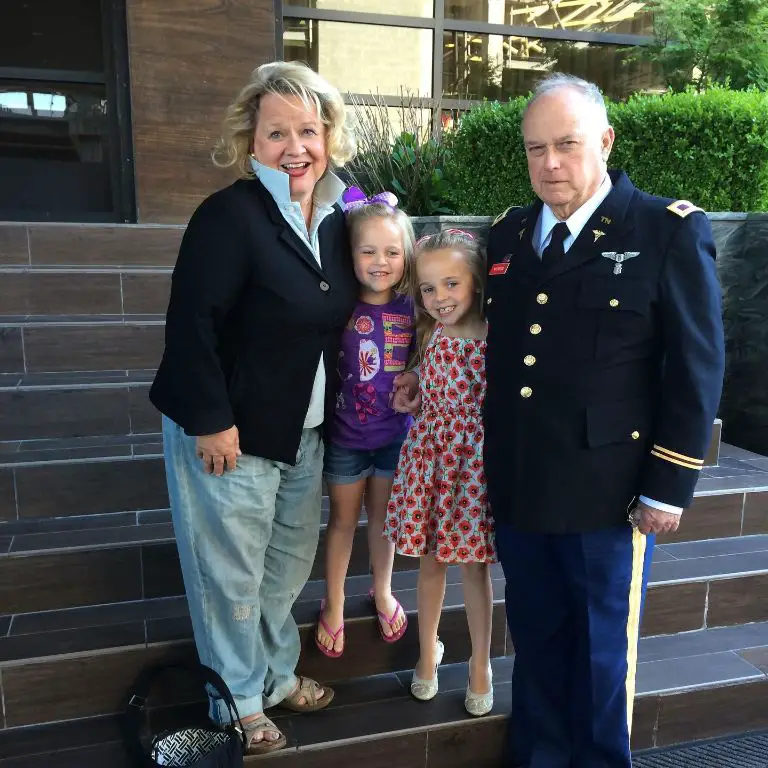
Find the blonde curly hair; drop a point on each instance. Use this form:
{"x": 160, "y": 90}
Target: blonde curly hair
{"x": 284, "y": 78}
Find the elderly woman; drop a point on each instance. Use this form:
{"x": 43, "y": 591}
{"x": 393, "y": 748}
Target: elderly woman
{"x": 261, "y": 291}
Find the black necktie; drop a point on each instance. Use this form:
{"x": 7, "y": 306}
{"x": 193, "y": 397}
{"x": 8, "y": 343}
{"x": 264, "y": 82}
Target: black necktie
{"x": 554, "y": 252}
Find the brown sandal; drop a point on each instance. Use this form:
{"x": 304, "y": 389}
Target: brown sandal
{"x": 307, "y": 689}
{"x": 252, "y": 727}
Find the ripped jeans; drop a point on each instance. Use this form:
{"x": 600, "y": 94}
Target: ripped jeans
{"x": 246, "y": 543}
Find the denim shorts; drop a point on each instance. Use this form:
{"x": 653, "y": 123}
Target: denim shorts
{"x": 348, "y": 465}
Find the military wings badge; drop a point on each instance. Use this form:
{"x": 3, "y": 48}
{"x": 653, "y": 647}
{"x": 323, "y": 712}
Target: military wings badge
{"x": 619, "y": 259}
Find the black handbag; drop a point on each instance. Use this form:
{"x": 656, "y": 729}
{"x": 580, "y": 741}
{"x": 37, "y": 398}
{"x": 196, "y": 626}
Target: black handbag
{"x": 191, "y": 747}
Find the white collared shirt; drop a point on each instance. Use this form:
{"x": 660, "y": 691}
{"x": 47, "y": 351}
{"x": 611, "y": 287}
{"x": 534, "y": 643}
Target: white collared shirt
{"x": 542, "y": 234}
{"x": 327, "y": 192}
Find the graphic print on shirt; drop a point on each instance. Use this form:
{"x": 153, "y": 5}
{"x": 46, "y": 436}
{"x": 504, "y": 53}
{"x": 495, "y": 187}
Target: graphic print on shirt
{"x": 397, "y": 336}
{"x": 375, "y": 348}
{"x": 364, "y": 325}
{"x": 368, "y": 359}
{"x": 365, "y": 401}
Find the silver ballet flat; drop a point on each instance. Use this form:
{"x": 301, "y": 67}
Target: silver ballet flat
{"x": 424, "y": 690}
{"x": 479, "y": 704}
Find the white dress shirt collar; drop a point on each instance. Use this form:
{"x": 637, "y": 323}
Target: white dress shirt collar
{"x": 575, "y": 222}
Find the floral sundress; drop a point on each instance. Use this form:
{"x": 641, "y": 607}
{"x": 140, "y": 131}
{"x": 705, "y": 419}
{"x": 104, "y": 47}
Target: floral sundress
{"x": 439, "y": 502}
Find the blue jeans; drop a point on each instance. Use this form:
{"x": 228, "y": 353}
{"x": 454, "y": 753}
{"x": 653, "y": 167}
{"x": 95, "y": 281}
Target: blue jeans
{"x": 246, "y": 543}
{"x": 344, "y": 466}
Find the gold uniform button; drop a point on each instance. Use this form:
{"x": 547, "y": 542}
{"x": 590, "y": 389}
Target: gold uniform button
{"x": 526, "y": 392}
{"x": 529, "y": 360}
{"x": 324, "y": 286}
{"x": 542, "y": 298}
{"x": 635, "y": 435}
{"x": 535, "y": 329}
{"x": 614, "y": 303}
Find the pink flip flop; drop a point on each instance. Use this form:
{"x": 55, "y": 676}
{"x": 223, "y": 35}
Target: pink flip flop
{"x": 395, "y": 636}
{"x": 329, "y": 652}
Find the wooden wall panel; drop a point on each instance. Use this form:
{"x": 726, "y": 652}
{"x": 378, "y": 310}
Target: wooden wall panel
{"x": 188, "y": 60}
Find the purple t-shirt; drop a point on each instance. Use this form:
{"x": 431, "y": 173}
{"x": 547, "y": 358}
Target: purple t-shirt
{"x": 375, "y": 348}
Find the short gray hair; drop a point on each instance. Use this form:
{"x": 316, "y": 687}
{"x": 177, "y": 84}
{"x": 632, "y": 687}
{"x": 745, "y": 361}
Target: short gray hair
{"x": 588, "y": 91}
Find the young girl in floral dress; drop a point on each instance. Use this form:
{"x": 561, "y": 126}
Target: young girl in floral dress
{"x": 438, "y": 510}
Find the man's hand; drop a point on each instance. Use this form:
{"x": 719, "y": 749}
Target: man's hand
{"x": 219, "y": 451}
{"x": 406, "y": 397}
{"x": 652, "y": 520}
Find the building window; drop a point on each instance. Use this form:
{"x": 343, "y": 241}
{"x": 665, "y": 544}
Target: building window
{"x": 63, "y": 152}
{"x": 620, "y": 16}
{"x": 342, "y": 53}
{"x": 459, "y": 52}
{"x": 477, "y": 66}
{"x": 421, "y": 8}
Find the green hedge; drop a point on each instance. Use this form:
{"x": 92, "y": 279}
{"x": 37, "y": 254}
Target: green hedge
{"x": 488, "y": 172}
{"x": 711, "y": 148}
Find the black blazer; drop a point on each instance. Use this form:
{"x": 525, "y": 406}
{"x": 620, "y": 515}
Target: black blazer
{"x": 249, "y": 315}
{"x": 603, "y": 376}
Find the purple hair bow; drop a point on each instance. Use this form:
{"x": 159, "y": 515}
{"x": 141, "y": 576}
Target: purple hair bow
{"x": 354, "y": 197}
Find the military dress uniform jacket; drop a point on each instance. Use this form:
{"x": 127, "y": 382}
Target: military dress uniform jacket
{"x": 249, "y": 315}
{"x": 604, "y": 372}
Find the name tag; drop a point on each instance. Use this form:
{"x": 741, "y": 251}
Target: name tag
{"x": 499, "y": 269}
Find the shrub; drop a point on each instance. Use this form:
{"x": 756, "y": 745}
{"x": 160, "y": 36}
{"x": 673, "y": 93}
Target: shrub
{"x": 711, "y": 148}
{"x": 488, "y": 170}
{"x": 408, "y": 159}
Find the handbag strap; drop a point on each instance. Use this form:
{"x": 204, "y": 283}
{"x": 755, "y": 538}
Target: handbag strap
{"x": 143, "y": 685}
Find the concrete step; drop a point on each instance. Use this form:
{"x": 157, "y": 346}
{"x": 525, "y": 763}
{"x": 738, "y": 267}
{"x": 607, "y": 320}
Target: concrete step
{"x": 70, "y": 405}
{"x": 103, "y": 523}
{"x": 688, "y": 690}
{"x": 31, "y": 347}
{"x": 46, "y": 479}
{"x": 57, "y": 291}
{"x": 694, "y": 589}
{"x": 89, "y": 245}
{"x": 68, "y": 508}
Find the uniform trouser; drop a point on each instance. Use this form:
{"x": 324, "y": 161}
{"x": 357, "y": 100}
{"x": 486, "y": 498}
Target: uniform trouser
{"x": 246, "y": 541}
{"x": 573, "y": 607}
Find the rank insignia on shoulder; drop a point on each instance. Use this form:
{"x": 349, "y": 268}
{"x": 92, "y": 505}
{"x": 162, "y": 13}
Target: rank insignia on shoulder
{"x": 683, "y": 207}
{"x": 501, "y": 216}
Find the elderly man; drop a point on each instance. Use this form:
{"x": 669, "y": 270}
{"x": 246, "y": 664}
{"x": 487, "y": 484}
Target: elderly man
{"x": 605, "y": 364}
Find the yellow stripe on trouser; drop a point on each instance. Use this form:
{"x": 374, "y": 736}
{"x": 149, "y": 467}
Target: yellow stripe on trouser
{"x": 633, "y": 620}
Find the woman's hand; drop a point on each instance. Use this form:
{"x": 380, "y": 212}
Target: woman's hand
{"x": 406, "y": 397}
{"x": 219, "y": 451}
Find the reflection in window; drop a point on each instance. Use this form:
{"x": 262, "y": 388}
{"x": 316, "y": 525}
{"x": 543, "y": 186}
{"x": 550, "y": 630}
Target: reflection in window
{"x": 390, "y": 122}
{"x": 49, "y": 104}
{"x": 350, "y": 55}
{"x": 618, "y": 16}
{"x": 39, "y": 104}
{"x": 54, "y": 148}
{"x": 421, "y": 8}
{"x": 500, "y": 67}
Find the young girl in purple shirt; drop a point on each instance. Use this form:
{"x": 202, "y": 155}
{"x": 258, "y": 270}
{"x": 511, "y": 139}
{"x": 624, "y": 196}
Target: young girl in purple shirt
{"x": 366, "y": 433}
